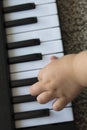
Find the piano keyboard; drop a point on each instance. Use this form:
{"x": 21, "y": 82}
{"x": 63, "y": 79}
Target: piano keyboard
{"x": 31, "y": 34}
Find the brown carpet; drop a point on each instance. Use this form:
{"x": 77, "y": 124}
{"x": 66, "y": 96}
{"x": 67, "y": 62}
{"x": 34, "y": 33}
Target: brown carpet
{"x": 73, "y": 16}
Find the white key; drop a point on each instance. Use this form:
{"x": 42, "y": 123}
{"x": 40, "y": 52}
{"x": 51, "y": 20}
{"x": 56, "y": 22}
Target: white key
{"x": 64, "y": 115}
{"x": 44, "y": 48}
{"x": 41, "y": 10}
{"x": 21, "y": 107}
{"x": 8, "y": 3}
{"x": 20, "y": 91}
{"x": 24, "y": 75}
{"x": 43, "y": 35}
{"x": 33, "y": 64}
{"x": 42, "y": 23}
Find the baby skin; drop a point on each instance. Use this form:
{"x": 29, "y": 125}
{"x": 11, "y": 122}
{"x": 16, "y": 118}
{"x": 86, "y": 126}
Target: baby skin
{"x": 62, "y": 79}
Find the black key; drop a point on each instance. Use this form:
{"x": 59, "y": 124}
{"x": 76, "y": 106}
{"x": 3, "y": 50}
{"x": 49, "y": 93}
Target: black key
{"x": 25, "y": 58}
{"x": 32, "y": 114}
{"x": 20, "y": 44}
{"x": 19, "y": 22}
{"x": 23, "y": 82}
{"x": 21, "y": 7}
{"x": 24, "y": 98}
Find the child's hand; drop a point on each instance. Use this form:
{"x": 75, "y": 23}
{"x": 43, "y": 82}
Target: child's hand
{"x": 57, "y": 81}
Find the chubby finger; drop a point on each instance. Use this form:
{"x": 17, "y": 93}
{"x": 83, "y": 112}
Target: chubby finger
{"x": 60, "y": 103}
{"x": 36, "y": 88}
{"x": 45, "y": 97}
{"x": 53, "y": 58}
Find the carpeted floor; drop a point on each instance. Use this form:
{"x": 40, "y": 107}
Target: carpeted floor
{"x": 73, "y": 16}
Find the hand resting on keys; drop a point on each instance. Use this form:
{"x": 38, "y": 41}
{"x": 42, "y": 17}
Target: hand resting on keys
{"x": 62, "y": 79}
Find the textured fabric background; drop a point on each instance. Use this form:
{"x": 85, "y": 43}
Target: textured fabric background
{"x": 73, "y": 16}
